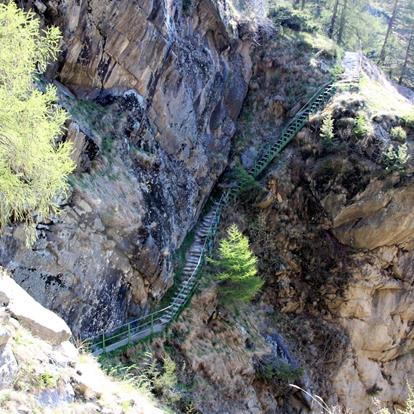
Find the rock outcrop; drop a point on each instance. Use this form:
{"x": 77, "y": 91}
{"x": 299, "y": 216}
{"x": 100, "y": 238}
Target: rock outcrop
{"x": 40, "y": 370}
{"x": 334, "y": 241}
{"x": 33, "y": 316}
{"x": 380, "y": 216}
{"x": 154, "y": 89}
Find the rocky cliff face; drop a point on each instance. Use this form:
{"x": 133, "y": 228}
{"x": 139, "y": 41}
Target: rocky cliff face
{"x": 154, "y": 92}
{"x": 333, "y": 234}
{"x": 335, "y": 240}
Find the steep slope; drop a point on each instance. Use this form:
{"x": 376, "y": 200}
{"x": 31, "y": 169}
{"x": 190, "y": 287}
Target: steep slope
{"x": 42, "y": 372}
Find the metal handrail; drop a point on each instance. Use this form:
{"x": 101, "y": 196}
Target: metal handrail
{"x": 138, "y": 325}
{"x": 134, "y": 327}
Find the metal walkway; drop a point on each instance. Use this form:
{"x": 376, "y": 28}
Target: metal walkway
{"x": 206, "y": 230}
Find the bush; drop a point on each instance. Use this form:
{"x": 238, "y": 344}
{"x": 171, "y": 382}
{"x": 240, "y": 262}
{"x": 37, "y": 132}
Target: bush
{"x": 409, "y": 120}
{"x": 46, "y": 380}
{"x": 361, "y": 129}
{"x": 250, "y": 190}
{"x": 292, "y": 19}
{"x": 238, "y": 268}
{"x": 33, "y": 165}
{"x": 398, "y": 134}
{"x": 395, "y": 158}
{"x": 327, "y": 131}
{"x": 270, "y": 367}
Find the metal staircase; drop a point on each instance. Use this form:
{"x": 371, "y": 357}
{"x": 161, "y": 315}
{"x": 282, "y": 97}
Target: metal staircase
{"x": 206, "y": 230}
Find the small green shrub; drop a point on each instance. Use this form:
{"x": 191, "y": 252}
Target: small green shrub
{"x": 148, "y": 374}
{"x": 395, "y": 158}
{"x": 237, "y": 266}
{"x": 250, "y": 190}
{"x": 293, "y": 19}
{"x": 398, "y": 134}
{"x": 274, "y": 368}
{"x": 107, "y": 145}
{"x": 361, "y": 128}
{"x": 409, "y": 121}
{"x": 46, "y": 380}
{"x": 4, "y": 397}
{"x": 327, "y": 128}
{"x": 166, "y": 382}
{"x": 337, "y": 70}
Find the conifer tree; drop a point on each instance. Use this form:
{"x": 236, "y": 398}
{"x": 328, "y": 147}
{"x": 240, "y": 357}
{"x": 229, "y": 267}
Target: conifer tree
{"x": 327, "y": 128}
{"x": 237, "y": 268}
{"x": 33, "y": 165}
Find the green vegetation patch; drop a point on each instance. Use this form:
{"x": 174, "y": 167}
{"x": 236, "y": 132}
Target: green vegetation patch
{"x": 237, "y": 269}
{"x": 381, "y": 99}
{"x": 34, "y": 164}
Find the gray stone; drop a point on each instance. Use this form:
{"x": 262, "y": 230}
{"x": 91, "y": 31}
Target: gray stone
{"x": 39, "y": 320}
{"x": 4, "y": 335}
{"x": 55, "y": 397}
{"x": 8, "y": 366}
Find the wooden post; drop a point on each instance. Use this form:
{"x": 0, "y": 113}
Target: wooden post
{"x": 103, "y": 342}
{"x": 129, "y": 333}
{"x": 152, "y": 323}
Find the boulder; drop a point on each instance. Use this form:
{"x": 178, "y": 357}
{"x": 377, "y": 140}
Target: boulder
{"x": 8, "y": 366}
{"x": 378, "y": 217}
{"x": 39, "y": 320}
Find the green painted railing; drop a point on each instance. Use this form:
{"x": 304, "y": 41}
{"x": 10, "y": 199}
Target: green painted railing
{"x": 156, "y": 322}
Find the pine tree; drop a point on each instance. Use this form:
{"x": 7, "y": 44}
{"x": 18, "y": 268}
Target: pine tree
{"x": 342, "y": 23}
{"x": 333, "y": 19}
{"x": 238, "y": 268}
{"x": 389, "y": 31}
{"x": 33, "y": 165}
{"x": 327, "y": 128}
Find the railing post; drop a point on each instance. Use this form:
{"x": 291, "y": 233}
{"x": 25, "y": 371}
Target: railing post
{"x": 103, "y": 342}
{"x": 129, "y": 333}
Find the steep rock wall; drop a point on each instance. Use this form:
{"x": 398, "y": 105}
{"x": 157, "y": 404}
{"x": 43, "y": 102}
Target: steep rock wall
{"x": 167, "y": 82}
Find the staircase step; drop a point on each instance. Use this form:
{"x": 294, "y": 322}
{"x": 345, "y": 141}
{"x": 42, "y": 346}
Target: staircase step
{"x": 209, "y": 223}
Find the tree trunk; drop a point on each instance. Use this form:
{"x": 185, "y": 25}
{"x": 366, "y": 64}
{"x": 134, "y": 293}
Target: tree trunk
{"x": 333, "y": 19}
{"x": 387, "y": 35}
{"x": 318, "y": 9}
{"x": 407, "y": 56}
{"x": 302, "y": 6}
{"x": 343, "y": 22}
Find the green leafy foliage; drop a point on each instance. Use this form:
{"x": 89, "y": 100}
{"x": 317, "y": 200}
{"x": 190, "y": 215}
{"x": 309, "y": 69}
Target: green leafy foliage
{"x": 398, "y": 134}
{"x": 273, "y": 368}
{"x": 327, "y": 128}
{"x": 237, "y": 268}
{"x": 250, "y": 190}
{"x": 361, "y": 129}
{"x": 292, "y": 19}
{"x": 149, "y": 374}
{"x": 33, "y": 165}
{"x": 395, "y": 158}
{"x": 46, "y": 380}
{"x": 280, "y": 370}
{"x": 408, "y": 120}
